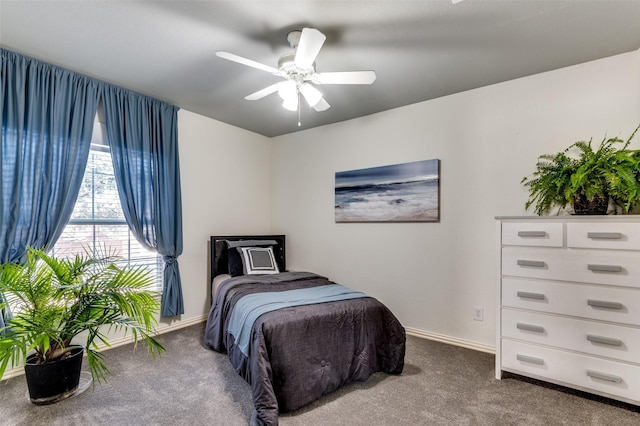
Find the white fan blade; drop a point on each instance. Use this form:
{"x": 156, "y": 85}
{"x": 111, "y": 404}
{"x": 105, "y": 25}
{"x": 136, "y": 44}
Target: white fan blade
{"x": 262, "y": 93}
{"x": 244, "y": 61}
{"x": 311, "y": 41}
{"x": 346, "y": 77}
{"x": 322, "y": 105}
{"x": 311, "y": 94}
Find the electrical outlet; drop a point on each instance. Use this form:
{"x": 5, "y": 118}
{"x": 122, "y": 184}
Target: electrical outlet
{"x": 478, "y": 313}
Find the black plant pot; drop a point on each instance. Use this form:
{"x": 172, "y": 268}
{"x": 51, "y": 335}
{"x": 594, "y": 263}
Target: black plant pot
{"x": 598, "y": 205}
{"x": 53, "y": 381}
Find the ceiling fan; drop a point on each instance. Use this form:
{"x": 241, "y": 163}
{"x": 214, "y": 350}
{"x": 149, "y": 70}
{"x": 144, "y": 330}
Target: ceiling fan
{"x": 299, "y": 71}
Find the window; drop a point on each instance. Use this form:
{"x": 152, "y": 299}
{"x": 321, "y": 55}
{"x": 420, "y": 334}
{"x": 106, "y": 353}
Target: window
{"x": 97, "y": 220}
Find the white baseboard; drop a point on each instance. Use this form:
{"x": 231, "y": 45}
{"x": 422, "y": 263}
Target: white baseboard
{"x": 161, "y": 329}
{"x": 450, "y": 340}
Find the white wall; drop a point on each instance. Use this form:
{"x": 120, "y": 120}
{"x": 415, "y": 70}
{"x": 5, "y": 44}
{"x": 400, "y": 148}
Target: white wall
{"x": 431, "y": 275}
{"x": 226, "y": 189}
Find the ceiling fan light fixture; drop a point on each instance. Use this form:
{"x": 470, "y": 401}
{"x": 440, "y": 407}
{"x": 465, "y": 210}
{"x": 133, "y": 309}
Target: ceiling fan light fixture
{"x": 291, "y": 104}
{"x": 287, "y": 89}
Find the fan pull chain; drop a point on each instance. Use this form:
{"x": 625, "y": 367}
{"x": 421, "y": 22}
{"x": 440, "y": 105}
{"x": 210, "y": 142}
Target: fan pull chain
{"x": 298, "y": 92}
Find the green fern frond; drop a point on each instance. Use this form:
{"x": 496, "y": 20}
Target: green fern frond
{"x": 584, "y": 171}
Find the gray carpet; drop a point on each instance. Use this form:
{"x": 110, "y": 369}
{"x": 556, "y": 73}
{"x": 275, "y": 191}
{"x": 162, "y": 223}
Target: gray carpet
{"x": 192, "y": 385}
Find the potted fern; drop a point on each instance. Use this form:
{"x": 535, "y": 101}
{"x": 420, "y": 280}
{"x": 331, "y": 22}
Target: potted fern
{"x": 587, "y": 178}
{"x": 54, "y": 300}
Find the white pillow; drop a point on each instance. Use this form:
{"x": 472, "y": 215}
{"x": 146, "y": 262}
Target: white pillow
{"x": 258, "y": 260}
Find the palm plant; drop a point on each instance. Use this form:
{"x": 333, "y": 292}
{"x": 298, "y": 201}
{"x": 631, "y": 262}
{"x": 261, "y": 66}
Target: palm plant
{"x": 55, "y": 299}
{"x": 584, "y": 177}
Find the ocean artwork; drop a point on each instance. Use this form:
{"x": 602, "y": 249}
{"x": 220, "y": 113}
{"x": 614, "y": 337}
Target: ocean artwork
{"x": 408, "y": 192}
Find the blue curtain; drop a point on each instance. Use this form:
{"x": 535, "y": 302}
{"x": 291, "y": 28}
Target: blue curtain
{"x": 143, "y": 137}
{"x": 47, "y": 121}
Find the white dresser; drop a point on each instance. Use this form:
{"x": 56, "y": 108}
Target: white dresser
{"x": 569, "y": 302}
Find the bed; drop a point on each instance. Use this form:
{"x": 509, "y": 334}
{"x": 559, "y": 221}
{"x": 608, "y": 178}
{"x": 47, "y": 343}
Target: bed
{"x": 293, "y": 336}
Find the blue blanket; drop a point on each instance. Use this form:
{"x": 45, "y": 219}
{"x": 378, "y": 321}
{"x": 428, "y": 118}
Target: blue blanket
{"x": 248, "y": 308}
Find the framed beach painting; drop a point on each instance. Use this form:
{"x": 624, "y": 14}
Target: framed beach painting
{"x": 407, "y": 192}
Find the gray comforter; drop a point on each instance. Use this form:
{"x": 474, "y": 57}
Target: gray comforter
{"x": 297, "y": 354}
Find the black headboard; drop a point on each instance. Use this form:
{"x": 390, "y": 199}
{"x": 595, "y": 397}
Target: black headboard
{"x": 219, "y": 251}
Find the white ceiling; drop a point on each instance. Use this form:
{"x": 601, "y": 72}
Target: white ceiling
{"x": 420, "y": 50}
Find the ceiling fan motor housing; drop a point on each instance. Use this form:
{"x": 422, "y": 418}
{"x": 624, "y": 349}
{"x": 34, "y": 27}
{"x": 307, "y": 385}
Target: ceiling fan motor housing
{"x": 286, "y": 65}
{"x": 294, "y": 38}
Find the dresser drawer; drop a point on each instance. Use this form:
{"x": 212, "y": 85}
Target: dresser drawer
{"x": 574, "y": 370}
{"x": 603, "y": 235}
{"x": 533, "y": 234}
{"x": 613, "y": 304}
{"x": 621, "y": 268}
{"x": 596, "y": 338}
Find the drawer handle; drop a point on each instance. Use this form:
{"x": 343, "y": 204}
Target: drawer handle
{"x": 528, "y": 295}
{"x": 604, "y": 235}
{"x": 530, "y": 327}
{"x": 533, "y": 263}
{"x": 530, "y": 359}
{"x": 604, "y": 340}
{"x": 531, "y": 234}
{"x": 604, "y": 268}
{"x": 604, "y": 304}
{"x": 604, "y": 376}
